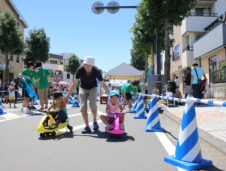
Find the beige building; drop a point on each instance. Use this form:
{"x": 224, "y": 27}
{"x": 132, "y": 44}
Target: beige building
{"x": 16, "y": 62}
{"x": 188, "y": 35}
{"x": 55, "y": 65}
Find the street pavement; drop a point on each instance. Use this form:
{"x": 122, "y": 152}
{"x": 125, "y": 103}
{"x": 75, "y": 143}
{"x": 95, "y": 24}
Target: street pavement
{"x": 211, "y": 121}
{"x": 21, "y": 148}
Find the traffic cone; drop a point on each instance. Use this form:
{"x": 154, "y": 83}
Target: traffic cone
{"x": 153, "y": 122}
{"x": 140, "y": 113}
{"x": 188, "y": 152}
{"x": 70, "y": 100}
{"x": 2, "y": 112}
{"x": 135, "y": 105}
{"x": 75, "y": 101}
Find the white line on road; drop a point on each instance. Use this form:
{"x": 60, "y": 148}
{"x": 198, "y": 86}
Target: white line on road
{"x": 167, "y": 144}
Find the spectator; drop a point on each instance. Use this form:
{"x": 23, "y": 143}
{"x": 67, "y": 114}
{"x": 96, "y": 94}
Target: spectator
{"x": 43, "y": 85}
{"x": 12, "y": 98}
{"x": 177, "y": 82}
{"x": 28, "y": 73}
{"x": 196, "y": 79}
{"x": 187, "y": 82}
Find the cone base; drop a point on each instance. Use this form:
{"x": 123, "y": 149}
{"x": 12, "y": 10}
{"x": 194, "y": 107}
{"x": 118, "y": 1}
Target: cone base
{"x": 188, "y": 165}
{"x": 140, "y": 117}
{"x": 2, "y": 113}
{"x": 154, "y": 130}
{"x": 75, "y": 106}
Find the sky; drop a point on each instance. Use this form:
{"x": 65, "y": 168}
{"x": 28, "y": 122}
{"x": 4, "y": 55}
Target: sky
{"x": 72, "y": 27}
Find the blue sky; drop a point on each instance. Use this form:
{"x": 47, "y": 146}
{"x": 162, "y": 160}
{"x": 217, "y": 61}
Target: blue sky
{"x": 74, "y": 28}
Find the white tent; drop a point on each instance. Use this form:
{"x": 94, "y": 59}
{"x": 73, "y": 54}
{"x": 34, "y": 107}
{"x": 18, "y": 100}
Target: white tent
{"x": 124, "y": 72}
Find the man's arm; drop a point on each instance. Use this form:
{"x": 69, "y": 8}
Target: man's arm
{"x": 105, "y": 87}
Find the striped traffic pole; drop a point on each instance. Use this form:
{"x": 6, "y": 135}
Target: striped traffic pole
{"x": 140, "y": 113}
{"x": 135, "y": 105}
{"x": 153, "y": 121}
{"x": 188, "y": 152}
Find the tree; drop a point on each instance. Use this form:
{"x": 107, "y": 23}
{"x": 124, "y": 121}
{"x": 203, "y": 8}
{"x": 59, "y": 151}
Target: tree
{"x": 144, "y": 35}
{"x": 11, "y": 41}
{"x": 73, "y": 65}
{"x": 168, "y": 12}
{"x": 37, "y": 46}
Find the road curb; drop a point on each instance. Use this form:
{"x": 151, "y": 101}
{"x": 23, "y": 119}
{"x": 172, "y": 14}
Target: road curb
{"x": 217, "y": 143}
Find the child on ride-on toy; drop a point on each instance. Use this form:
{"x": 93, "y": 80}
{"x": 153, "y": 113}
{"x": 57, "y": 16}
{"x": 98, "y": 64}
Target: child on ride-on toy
{"x": 112, "y": 107}
{"x": 58, "y": 111}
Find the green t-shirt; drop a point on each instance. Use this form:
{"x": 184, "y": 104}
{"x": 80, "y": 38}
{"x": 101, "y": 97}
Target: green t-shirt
{"x": 30, "y": 73}
{"x": 42, "y": 74}
{"x": 128, "y": 88}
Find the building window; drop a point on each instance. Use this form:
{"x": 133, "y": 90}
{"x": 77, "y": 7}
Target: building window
{"x": 61, "y": 63}
{"x": 53, "y": 62}
{"x": 18, "y": 59}
{"x": 11, "y": 57}
{"x": 176, "y": 52}
{"x": 212, "y": 66}
{"x": 68, "y": 76}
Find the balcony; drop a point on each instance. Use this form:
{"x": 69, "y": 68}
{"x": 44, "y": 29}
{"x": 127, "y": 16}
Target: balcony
{"x": 196, "y": 23}
{"x": 212, "y": 40}
{"x": 53, "y": 67}
{"x": 187, "y": 58}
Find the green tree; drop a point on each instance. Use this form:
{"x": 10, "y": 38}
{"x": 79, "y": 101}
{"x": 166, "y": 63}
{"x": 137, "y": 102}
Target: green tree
{"x": 73, "y": 65}
{"x": 11, "y": 41}
{"x": 37, "y": 46}
{"x": 169, "y": 12}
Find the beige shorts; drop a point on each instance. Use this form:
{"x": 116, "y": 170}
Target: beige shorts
{"x": 88, "y": 94}
{"x": 11, "y": 97}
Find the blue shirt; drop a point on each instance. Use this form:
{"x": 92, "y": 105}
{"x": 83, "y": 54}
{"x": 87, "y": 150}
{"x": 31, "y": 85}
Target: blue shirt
{"x": 199, "y": 71}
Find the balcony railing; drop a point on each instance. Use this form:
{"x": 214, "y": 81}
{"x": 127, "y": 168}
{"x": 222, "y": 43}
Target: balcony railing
{"x": 202, "y": 14}
{"x": 218, "y": 76}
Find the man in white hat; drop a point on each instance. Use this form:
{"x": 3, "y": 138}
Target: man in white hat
{"x": 88, "y": 75}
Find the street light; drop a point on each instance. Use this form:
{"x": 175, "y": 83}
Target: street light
{"x": 112, "y": 7}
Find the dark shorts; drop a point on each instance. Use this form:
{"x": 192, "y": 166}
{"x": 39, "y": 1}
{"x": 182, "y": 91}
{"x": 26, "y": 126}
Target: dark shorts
{"x": 128, "y": 96}
{"x": 111, "y": 120}
{"x": 25, "y": 94}
{"x": 59, "y": 116}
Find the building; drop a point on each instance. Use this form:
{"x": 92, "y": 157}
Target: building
{"x": 210, "y": 50}
{"x": 186, "y": 36}
{"x": 16, "y": 63}
{"x": 55, "y": 65}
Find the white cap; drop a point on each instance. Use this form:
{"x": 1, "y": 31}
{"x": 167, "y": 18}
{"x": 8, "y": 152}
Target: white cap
{"x": 89, "y": 60}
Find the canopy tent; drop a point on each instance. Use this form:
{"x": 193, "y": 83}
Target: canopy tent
{"x": 124, "y": 72}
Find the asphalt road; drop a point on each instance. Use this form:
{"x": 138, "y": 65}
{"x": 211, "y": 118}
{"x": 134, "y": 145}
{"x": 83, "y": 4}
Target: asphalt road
{"x": 21, "y": 149}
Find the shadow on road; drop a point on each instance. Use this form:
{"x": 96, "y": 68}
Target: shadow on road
{"x": 110, "y": 137}
{"x": 213, "y": 168}
{"x": 59, "y": 136}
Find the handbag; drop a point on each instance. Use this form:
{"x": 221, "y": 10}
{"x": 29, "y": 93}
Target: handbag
{"x": 199, "y": 80}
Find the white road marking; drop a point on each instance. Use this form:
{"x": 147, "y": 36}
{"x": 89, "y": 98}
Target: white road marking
{"x": 167, "y": 144}
{"x": 9, "y": 115}
{"x": 17, "y": 117}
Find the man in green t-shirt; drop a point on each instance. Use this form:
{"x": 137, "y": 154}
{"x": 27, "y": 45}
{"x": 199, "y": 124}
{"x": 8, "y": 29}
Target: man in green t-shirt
{"x": 42, "y": 75}
{"x": 126, "y": 90}
{"x": 29, "y": 74}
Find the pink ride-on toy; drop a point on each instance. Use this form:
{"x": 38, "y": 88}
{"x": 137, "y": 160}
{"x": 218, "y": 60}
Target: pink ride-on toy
{"x": 116, "y": 130}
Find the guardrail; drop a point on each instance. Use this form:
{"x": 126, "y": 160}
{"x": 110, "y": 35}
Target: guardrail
{"x": 195, "y": 100}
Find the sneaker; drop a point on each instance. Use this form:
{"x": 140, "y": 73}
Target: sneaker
{"x": 86, "y": 130}
{"x": 70, "y": 128}
{"x": 122, "y": 126}
{"x": 29, "y": 112}
{"x": 95, "y": 126}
